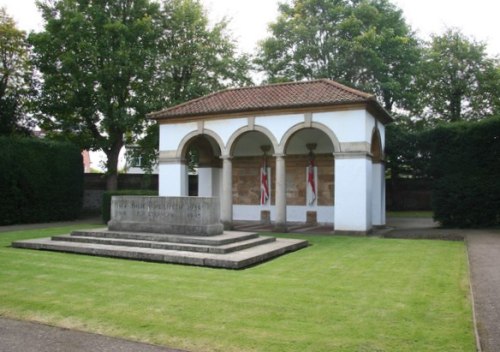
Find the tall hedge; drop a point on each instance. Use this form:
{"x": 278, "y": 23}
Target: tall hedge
{"x": 40, "y": 181}
{"x": 465, "y": 165}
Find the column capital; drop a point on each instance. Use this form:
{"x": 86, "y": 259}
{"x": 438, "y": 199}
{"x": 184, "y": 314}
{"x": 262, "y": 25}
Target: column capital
{"x": 226, "y": 157}
{"x": 279, "y": 155}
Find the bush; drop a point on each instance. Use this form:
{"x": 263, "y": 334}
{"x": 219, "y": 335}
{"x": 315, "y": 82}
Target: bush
{"x": 465, "y": 163}
{"x": 106, "y": 200}
{"x": 40, "y": 181}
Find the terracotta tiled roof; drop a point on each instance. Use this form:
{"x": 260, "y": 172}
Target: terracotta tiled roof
{"x": 271, "y": 97}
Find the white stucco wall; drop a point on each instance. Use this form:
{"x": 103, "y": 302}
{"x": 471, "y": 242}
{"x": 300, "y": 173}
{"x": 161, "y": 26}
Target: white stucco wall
{"x": 171, "y": 135}
{"x": 349, "y": 126}
{"x": 279, "y": 124}
{"x": 378, "y": 194}
{"x": 225, "y": 128}
{"x": 294, "y": 213}
{"x": 173, "y": 180}
{"x": 356, "y": 208}
{"x": 353, "y": 185}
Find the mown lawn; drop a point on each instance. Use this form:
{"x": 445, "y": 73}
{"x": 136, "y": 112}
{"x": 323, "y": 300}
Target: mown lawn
{"x": 339, "y": 294}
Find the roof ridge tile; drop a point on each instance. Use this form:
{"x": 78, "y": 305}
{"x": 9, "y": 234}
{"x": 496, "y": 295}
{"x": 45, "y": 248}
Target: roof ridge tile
{"x": 285, "y": 95}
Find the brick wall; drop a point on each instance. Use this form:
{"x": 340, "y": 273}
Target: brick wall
{"x": 94, "y": 186}
{"x": 246, "y": 179}
{"x": 296, "y": 179}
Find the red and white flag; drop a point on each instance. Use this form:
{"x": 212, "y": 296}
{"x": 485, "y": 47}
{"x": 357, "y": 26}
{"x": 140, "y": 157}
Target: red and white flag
{"x": 264, "y": 185}
{"x": 311, "y": 181}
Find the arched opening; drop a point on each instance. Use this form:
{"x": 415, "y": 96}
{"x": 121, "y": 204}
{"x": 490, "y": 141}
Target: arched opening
{"x": 310, "y": 176}
{"x": 378, "y": 179}
{"x": 253, "y": 170}
{"x": 376, "y": 147}
{"x": 202, "y": 157}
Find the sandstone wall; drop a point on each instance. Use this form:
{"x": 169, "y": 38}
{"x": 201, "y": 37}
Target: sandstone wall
{"x": 246, "y": 179}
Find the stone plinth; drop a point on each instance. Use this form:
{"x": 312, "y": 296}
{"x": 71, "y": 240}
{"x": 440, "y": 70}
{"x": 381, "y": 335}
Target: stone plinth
{"x": 198, "y": 216}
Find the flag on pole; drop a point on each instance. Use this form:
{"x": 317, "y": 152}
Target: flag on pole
{"x": 264, "y": 185}
{"x": 311, "y": 181}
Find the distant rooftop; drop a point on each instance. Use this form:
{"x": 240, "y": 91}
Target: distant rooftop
{"x": 281, "y": 96}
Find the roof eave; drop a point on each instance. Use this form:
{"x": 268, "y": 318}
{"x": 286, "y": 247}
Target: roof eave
{"x": 378, "y": 111}
{"x": 159, "y": 116}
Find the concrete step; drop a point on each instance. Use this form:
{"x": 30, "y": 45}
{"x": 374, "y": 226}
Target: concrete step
{"x": 226, "y": 248}
{"x": 226, "y": 238}
{"x": 235, "y": 260}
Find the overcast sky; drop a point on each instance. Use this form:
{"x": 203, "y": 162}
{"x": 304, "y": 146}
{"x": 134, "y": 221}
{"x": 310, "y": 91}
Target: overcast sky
{"x": 249, "y": 18}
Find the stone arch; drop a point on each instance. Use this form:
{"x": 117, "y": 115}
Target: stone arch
{"x": 250, "y": 150}
{"x": 319, "y": 126}
{"x": 241, "y": 131}
{"x": 376, "y": 146}
{"x": 305, "y": 145}
{"x": 183, "y": 145}
{"x": 200, "y": 153}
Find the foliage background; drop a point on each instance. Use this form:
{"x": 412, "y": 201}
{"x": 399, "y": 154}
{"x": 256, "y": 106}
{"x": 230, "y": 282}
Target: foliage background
{"x": 40, "y": 181}
{"x": 465, "y": 166}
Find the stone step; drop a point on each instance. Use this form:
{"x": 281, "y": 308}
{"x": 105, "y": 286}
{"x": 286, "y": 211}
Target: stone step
{"x": 235, "y": 260}
{"x": 222, "y": 249}
{"x": 226, "y": 238}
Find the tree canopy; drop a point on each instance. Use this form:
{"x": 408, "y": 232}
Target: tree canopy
{"x": 362, "y": 43}
{"x": 459, "y": 80}
{"x": 105, "y": 64}
{"x": 194, "y": 59}
{"x": 15, "y": 77}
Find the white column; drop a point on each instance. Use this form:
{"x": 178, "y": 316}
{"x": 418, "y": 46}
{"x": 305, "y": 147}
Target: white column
{"x": 173, "y": 180}
{"x": 280, "y": 224}
{"x": 353, "y": 188}
{"x": 227, "y": 193}
{"x": 378, "y": 194}
{"x": 205, "y": 182}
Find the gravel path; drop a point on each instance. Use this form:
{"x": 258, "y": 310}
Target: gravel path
{"x": 22, "y": 336}
{"x": 484, "y": 257}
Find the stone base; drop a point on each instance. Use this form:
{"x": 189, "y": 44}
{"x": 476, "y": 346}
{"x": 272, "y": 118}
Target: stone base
{"x": 311, "y": 218}
{"x": 352, "y": 233}
{"x": 265, "y": 216}
{"x": 280, "y": 228}
{"x": 196, "y": 230}
{"x": 230, "y": 250}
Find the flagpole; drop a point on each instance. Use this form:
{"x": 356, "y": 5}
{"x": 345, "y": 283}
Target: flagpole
{"x": 264, "y": 177}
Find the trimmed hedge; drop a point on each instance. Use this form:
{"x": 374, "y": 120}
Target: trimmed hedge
{"x": 40, "y": 181}
{"x": 106, "y": 200}
{"x": 465, "y": 164}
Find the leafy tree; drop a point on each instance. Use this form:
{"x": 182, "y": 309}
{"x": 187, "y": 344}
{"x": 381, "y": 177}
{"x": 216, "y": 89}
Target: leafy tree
{"x": 365, "y": 43}
{"x": 15, "y": 77}
{"x": 459, "y": 80}
{"x": 96, "y": 57}
{"x": 405, "y": 150}
{"x": 105, "y": 64}
{"x": 194, "y": 59}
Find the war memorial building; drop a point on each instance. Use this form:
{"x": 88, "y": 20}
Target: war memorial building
{"x": 285, "y": 153}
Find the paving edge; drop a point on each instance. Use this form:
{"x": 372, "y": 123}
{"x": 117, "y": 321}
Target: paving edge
{"x": 90, "y": 333}
{"x": 471, "y": 289}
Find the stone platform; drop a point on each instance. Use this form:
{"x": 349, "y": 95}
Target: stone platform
{"x": 230, "y": 250}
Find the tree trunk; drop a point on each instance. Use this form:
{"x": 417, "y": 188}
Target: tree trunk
{"x": 112, "y": 167}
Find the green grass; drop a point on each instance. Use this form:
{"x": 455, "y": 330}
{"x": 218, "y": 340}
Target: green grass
{"x": 339, "y": 294}
{"x": 410, "y": 214}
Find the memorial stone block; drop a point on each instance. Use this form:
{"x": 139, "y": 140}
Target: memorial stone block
{"x": 197, "y": 216}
